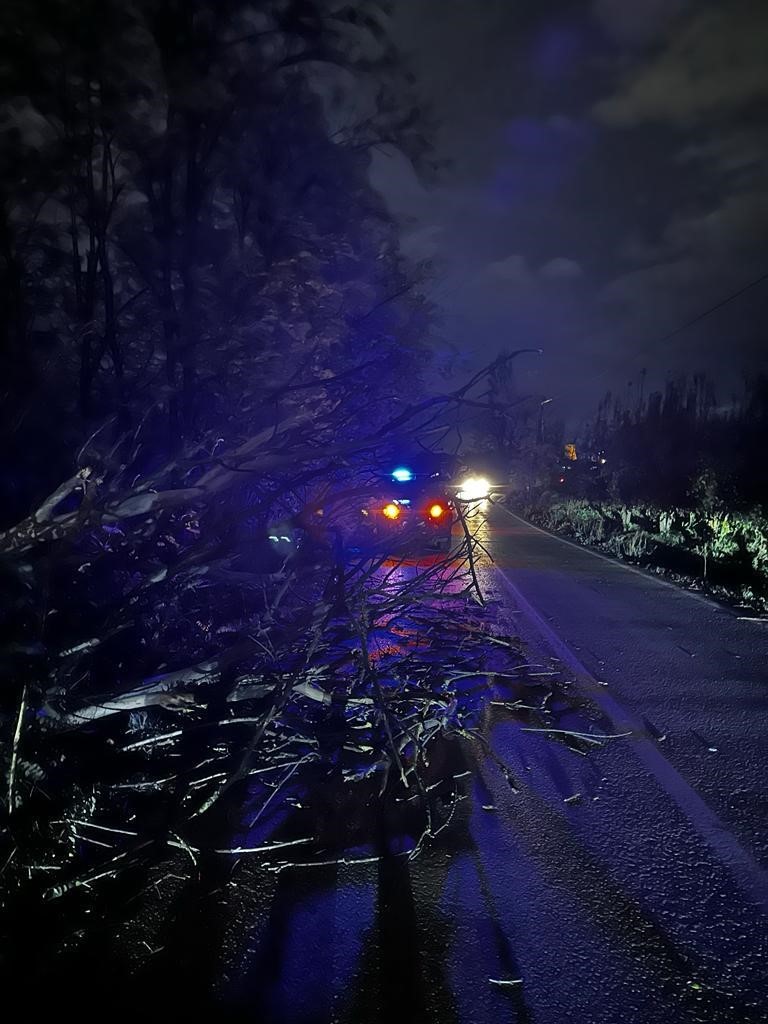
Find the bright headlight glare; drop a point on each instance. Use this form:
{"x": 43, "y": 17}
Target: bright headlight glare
{"x": 474, "y": 488}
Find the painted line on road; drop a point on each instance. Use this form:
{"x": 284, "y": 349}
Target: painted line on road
{"x": 618, "y": 564}
{"x": 752, "y": 878}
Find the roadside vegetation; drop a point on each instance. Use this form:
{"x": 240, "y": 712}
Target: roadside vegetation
{"x": 676, "y": 484}
{"x": 725, "y": 553}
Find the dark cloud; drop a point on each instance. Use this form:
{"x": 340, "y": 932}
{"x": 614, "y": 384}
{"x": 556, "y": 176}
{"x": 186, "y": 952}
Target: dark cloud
{"x": 715, "y": 63}
{"x": 636, "y": 21}
{"x": 705, "y": 86}
{"x": 607, "y": 183}
{"x": 562, "y": 269}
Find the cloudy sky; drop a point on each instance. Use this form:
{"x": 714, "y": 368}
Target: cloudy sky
{"x": 606, "y": 182}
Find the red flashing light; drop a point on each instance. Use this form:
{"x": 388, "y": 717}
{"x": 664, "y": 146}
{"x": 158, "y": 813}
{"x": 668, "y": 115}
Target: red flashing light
{"x": 436, "y": 511}
{"x": 391, "y": 511}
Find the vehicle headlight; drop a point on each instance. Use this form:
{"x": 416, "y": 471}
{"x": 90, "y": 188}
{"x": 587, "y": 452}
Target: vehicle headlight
{"x": 474, "y": 488}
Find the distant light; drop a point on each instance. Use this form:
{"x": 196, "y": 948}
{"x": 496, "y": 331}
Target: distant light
{"x": 474, "y": 488}
{"x": 436, "y": 511}
{"x": 402, "y": 474}
{"x": 391, "y": 511}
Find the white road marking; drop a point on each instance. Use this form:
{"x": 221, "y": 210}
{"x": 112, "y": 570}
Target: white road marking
{"x": 752, "y": 878}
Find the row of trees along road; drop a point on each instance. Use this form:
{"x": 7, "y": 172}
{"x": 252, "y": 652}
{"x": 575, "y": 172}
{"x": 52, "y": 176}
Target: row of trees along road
{"x": 683, "y": 447}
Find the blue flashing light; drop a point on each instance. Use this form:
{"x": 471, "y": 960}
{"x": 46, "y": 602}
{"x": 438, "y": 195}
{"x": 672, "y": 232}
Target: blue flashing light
{"x": 402, "y": 474}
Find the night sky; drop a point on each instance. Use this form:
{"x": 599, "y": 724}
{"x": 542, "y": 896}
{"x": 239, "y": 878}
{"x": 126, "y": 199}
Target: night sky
{"x": 606, "y": 182}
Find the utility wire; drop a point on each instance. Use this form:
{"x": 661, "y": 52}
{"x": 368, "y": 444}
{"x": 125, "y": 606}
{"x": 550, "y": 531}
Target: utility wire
{"x": 701, "y": 316}
{"x": 713, "y": 309}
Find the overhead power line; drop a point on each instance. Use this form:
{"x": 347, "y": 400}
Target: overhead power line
{"x": 713, "y": 309}
{"x": 654, "y": 343}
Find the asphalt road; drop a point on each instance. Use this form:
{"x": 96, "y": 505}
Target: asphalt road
{"x": 662, "y": 864}
{"x": 627, "y": 886}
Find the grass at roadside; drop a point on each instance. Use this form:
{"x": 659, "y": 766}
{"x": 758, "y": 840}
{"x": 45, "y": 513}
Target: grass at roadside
{"x": 724, "y": 553}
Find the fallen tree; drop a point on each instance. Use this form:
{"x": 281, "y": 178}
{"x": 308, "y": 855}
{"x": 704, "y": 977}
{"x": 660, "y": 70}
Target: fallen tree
{"x": 195, "y": 652}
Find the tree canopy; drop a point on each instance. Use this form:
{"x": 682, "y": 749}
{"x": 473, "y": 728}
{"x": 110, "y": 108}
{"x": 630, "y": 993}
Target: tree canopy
{"x": 180, "y": 228}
